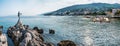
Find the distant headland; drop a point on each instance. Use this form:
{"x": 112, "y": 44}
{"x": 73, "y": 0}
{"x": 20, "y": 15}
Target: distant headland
{"x": 86, "y": 9}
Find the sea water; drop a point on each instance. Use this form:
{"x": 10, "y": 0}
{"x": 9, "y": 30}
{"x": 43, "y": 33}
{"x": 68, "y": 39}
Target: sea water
{"x": 78, "y": 29}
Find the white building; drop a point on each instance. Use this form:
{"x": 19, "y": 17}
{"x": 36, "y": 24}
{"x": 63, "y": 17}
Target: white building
{"x": 114, "y": 11}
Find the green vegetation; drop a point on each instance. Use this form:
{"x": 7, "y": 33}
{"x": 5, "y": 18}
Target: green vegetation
{"x": 117, "y": 13}
{"x": 86, "y": 9}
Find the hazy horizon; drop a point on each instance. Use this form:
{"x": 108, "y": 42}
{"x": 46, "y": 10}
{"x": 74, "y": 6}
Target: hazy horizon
{"x": 35, "y": 7}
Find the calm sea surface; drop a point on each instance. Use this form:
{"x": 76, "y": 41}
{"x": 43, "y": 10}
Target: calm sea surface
{"x": 78, "y": 29}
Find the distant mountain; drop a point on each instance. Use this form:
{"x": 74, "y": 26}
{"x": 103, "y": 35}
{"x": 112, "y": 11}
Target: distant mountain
{"x": 94, "y": 8}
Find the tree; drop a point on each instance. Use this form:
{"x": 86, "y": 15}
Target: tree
{"x": 117, "y": 13}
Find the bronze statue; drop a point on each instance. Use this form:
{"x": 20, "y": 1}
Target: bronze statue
{"x": 19, "y": 14}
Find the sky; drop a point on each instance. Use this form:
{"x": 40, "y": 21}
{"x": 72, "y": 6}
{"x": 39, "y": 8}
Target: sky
{"x": 35, "y": 7}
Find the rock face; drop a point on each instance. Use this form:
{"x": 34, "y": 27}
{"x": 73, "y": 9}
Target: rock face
{"x": 22, "y": 35}
{"x": 38, "y": 30}
{"x": 3, "y": 38}
{"x": 66, "y": 43}
{"x": 25, "y": 37}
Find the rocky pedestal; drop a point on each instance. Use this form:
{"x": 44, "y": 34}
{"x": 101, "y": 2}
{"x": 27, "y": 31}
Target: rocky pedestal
{"x": 22, "y": 35}
{"x": 26, "y": 37}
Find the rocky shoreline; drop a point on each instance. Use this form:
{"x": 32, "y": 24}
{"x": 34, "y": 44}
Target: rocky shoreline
{"x": 23, "y": 35}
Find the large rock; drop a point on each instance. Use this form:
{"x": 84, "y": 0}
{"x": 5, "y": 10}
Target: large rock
{"x": 66, "y": 43}
{"x": 49, "y": 44}
{"x": 38, "y": 30}
{"x": 51, "y": 31}
{"x": 26, "y": 26}
{"x": 26, "y": 37}
{"x": 3, "y": 39}
{"x": 22, "y": 35}
{"x": 15, "y": 35}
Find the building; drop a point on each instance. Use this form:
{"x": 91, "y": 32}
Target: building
{"x": 113, "y": 13}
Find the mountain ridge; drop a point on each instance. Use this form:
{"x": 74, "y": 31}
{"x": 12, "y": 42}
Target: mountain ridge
{"x": 93, "y": 7}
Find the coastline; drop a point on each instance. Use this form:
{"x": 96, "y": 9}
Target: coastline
{"x": 23, "y": 35}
